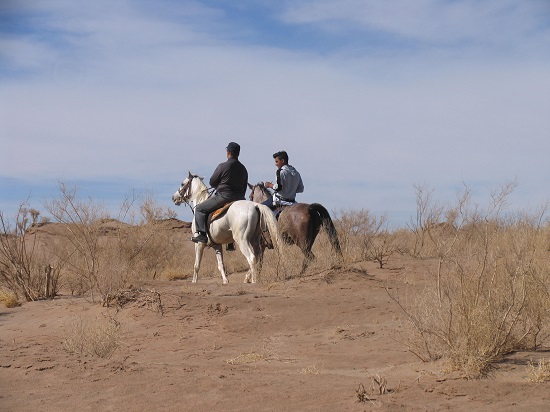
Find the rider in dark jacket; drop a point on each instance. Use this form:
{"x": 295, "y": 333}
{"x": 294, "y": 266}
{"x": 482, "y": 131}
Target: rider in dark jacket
{"x": 230, "y": 181}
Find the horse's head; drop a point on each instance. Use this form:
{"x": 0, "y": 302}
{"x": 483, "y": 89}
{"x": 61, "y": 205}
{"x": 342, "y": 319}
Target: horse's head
{"x": 187, "y": 190}
{"x": 259, "y": 192}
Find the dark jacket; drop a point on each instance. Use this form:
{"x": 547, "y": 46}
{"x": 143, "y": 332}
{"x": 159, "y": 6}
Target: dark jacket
{"x": 230, "y": 179}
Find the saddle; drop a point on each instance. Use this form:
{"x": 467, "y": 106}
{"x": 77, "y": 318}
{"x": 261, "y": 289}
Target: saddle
{"x": 216, "y": 214}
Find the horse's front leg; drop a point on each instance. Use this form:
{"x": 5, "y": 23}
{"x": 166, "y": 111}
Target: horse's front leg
{"x": 199, "y": 249}
{"x": 219, "y": 258}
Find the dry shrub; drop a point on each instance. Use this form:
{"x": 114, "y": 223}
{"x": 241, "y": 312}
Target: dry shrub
{"x": 429, "y": 214}
{"x": 539, "y": 372}
{"x": 149, "y": 299}
{"x": 99, "y": 337}
{"x": 99, "y": 255}
{"x": 8, "y": 299}
{"x": 365, "y": 236}
{"x": 490, "y": 292}
{"x": 21, "y": 269}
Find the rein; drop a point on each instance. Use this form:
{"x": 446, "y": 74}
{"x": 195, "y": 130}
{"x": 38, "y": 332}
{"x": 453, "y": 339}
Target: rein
{"x": 187, "y": 193}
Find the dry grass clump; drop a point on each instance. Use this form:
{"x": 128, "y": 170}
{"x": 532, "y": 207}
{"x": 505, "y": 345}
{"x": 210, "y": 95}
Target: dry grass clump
{"x": 490, "y": 292}
{"x": 173, "y": 274}
{"x": 540, "y": 372}
{"x": 365, "y": 236}
{"x": 8, "y": 299}
{"x": 244, "y": 358}
{"x": 99, "y": 337}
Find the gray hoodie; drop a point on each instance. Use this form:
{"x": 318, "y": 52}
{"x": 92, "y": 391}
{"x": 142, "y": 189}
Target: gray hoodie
{"x": 289, "y": 182}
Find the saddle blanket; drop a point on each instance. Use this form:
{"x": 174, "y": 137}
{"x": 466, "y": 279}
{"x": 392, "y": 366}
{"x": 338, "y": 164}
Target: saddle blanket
{"x": 220, "y": 212}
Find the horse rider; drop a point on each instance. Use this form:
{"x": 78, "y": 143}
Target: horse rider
{"x": 230, "y": 181}
{"x": 288, "y": 182}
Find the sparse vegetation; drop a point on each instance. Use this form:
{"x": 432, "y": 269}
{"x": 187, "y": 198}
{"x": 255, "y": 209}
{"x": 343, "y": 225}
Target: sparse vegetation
{"x": 364, "y": 236}
{"x": 539, "y": 372}
{"x": 244, "y": 358}
{"x": 490, "y": 293}
{"x": 101, "y": 255}
{"x": 98, "y": 337}
{"x": 21, "y": 268}
{"x": 8, "y": 299}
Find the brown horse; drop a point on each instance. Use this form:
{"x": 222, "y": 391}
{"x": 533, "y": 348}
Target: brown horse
{"x": 299, "y": 224}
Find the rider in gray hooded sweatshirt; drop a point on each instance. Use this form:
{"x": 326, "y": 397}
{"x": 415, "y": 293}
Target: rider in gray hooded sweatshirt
{"x": 288, "y": 183}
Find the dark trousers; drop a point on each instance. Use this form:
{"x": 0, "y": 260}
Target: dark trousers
{"x": 211, "y": 204}
{"x": 269, "y": 202}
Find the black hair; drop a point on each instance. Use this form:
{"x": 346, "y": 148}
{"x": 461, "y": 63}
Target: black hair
{"x": 281, "y": 155}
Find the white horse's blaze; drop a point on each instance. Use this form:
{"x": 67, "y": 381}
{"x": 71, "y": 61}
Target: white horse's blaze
{"x": 241, "y": 224}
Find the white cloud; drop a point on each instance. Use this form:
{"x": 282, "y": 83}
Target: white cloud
{"x": 144, "y": 96}
{"x": 431, "y": 21}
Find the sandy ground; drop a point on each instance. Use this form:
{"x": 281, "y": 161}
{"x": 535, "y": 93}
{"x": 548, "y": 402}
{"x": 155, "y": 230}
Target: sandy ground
{"x": 305, "y": 344}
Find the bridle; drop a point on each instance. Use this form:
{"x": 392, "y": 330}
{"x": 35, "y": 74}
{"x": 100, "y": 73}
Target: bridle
{"x": 185, "y": 192}
{"x": 261, "y": 187}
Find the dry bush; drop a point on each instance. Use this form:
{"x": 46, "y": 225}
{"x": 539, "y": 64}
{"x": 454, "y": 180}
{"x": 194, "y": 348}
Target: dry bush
{"x": 100, "y": 255}
{"x": 8, "y": 299}
{"x": 21, "y": 269}
{"x": 490, "y": 292}
{"x": 99, "y": 337}
{"x": 539, "y": 372}
{"x": 428, "y": 215}
{"x": 364, "y": 236}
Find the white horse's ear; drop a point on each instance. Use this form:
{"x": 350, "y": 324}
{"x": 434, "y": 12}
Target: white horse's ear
{"x": 201, "y": 177}
{"x": 190, "y": 175}
{"x": 250, "y": 186}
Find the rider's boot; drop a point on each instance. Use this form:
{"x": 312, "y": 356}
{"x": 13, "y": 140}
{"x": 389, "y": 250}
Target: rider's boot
{"x": 200, "y": 237}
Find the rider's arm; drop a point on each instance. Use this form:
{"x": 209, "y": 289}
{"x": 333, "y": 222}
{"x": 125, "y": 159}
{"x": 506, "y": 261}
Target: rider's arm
{"x": 216, "y": 176}
{"x": 300, "y": 188}
{"x": 278, "y": 185}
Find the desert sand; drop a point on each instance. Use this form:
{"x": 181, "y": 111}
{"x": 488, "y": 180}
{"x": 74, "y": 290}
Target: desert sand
{"x": 330, "y": 340}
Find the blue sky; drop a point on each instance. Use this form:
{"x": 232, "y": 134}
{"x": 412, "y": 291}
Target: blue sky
{"x": 369, "y": 97}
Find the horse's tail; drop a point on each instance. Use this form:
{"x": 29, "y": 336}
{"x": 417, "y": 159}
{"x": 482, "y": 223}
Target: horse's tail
{"x": 326, "y": 221}
{"x": 267, "y": 219}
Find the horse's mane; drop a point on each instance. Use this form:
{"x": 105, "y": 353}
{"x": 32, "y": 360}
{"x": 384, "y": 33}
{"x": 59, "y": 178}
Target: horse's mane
{"x": 262, "y": 187}
{"x": 201, "y": 184}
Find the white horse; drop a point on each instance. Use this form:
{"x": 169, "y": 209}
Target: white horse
{"x": 242, "y": 223}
